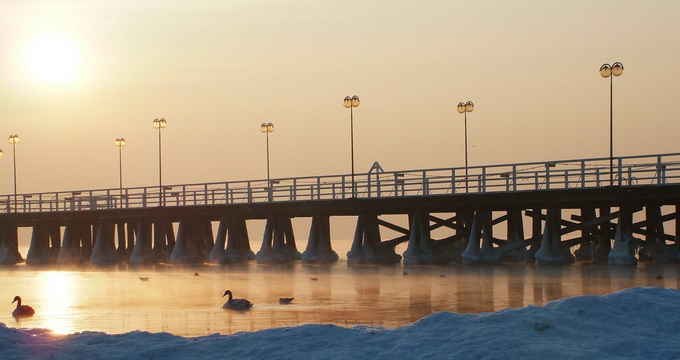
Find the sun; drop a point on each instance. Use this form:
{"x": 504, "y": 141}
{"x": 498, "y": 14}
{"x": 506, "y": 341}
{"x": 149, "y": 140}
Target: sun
{"x": 53, "y": 58}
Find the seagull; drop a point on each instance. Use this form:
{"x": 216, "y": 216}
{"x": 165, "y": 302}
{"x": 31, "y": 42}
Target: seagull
{"x": 22, "y": 310}
{"x": 144, "y": 278}
{"x": 236, "y": 304}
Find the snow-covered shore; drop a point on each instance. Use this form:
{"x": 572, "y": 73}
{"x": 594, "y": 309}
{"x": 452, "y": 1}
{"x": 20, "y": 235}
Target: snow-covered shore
{"x": 635, "y": 323}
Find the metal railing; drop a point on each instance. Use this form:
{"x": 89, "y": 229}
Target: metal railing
{"x": 644, "y": 170}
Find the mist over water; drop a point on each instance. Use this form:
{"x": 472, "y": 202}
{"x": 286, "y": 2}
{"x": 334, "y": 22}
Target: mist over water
{"x": 176, "y": 300}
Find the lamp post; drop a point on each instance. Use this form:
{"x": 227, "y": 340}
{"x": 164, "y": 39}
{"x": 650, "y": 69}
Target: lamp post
{"x": 160, "y": 124}
{"x": 266, "y": 128}
{"x": 464, "y": 108}
{"x": 606, "y": 71}
{"x": 2, "y": 153}
{"x": 351, "y": 103}
{"x": 120, "y": 142}
{"x": 14, "y": 140}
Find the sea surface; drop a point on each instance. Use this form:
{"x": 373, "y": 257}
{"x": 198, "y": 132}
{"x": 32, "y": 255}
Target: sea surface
{"x": 187, "y": 301}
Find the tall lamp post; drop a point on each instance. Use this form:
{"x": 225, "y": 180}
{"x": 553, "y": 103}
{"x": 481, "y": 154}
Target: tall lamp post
{"x": 120, "y": 142}
{"x": 14, "y": 140}
{"x": 2, "y": 153}
{"x": 464, "y": 108}
{"x": 606, "y": 71}
{"x": 160, "y": 124}
{"x": 351, "y": 103}
{"x": 266, "y": 128}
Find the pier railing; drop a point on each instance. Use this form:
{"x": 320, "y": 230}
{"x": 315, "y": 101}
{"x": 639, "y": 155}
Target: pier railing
{"x": 629, "y": 171}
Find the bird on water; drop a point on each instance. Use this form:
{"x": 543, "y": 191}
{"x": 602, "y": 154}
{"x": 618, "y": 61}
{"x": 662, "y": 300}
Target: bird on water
{"x": 236, "y": 304}
{"x": 285, "y": 301}
{"x": 22, "y": 310}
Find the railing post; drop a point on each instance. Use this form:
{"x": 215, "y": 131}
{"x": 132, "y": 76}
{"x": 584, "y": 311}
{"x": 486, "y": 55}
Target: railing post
{"x": 368, "y": 185}
{"x": 249, "y": 193}
{"x": 583, "y": 174}
{"x": 535, "y": 180}
{"x": 377, "y": 184}
{"x": 619, "y": 170}
{"x": 294, "y": 191}
{"x": 318, "y": 187}
{"x": 144, "y": 198}
{"x": 426, "y": 186}
{"x": 482, "y": 185}
{"x": 514, "y": 177}
{"x": 566, "y": 179}
{"x": 453, "y": 181}
{"x": 343, "y": 186}
{"x": 597, "y": 177}
{"x": 630, "y": 175}
{"x": 660, "y": 177}
{"x": 547, "y": 177}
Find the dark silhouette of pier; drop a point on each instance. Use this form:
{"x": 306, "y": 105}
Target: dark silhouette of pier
{"x": 549, "y": 212}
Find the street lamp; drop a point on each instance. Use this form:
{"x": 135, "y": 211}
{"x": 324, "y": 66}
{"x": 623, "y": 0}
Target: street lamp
{"x": 606, "y": 71}
{"x": 14, "y": 140}
{"x": 266, "y": 128}
{"x": 351, "y": 103}
{"x": 464, "y": 108}
{"x": 160, "y": 124}
{"x": 1, "y": 153}
{"x": 120, "y": 142}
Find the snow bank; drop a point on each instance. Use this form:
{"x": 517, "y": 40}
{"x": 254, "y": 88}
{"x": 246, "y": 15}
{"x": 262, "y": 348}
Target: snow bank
{"x": 634, "y": 323}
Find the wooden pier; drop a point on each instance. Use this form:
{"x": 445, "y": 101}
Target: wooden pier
{"x": 552, "y": 212}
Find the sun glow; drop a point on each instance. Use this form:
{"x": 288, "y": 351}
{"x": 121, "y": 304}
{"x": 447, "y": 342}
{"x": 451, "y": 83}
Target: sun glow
{"x": 53, "y": 58}
{"x": 58, "y": 309}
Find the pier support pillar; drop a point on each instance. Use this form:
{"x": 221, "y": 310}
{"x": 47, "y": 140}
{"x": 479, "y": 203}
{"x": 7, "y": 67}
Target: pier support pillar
{"x": 278, "y": 242}
{"x": 515, "y": 235}
{"x": 603, "y": 238}
{"x": 39, "y": 252}
{"x": 191, "y": 246}
{"x": 142, "y": 252}
{"x": 367, "y": 246}
{"x": 586, "y": 251}
{"x": 104, "y": 251}
{"x": 71, "y": 251}
{"x": 655, "y": 246}
{"x": 9, "y": 245}
{"x": 623, "y": 251}
{"x": 163, "y": 240}
{"x": 551, "y": 251}
{"x": 419, "y": 249}
{"x": 55, "y": 241}
{"x": 481, "y": 229}
{"x": 234, "y": 232}
{"x": 122, "y": 253}
{"x": 319, "y": 249}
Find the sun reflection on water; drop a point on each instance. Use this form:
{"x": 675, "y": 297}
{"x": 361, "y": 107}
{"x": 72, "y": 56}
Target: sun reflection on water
{"x": 57, "y": 292}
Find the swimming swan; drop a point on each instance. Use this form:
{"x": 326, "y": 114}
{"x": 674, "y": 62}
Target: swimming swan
{"x": 22, "y": 310}
{"x": 236, "y": 304}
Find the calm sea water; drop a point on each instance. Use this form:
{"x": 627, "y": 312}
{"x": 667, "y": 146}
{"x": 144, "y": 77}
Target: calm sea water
{"x": 176, "y": 300}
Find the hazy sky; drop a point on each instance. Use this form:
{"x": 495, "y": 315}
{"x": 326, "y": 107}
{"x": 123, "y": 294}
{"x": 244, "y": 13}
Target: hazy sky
{"x": 217, "y": 69}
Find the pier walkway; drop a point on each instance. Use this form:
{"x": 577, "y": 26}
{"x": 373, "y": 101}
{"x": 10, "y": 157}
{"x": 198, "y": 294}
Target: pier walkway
{"x": 607, "y": 212}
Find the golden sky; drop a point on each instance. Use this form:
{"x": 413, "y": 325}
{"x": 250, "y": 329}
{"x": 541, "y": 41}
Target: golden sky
{"x": 75, "y": 75}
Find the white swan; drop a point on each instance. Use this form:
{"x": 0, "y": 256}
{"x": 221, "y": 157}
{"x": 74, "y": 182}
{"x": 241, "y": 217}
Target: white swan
{"x": 236, "y": 304}
{"x": 22, "y": 310}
